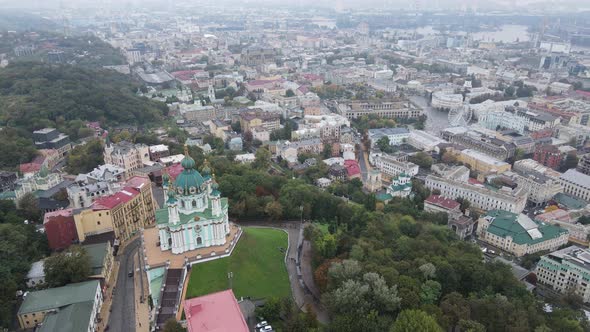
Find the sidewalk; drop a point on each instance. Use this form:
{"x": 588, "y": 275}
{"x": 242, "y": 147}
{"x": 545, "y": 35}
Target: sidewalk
{"x": 105, "y": 311}
{"x": 142, "y": 315}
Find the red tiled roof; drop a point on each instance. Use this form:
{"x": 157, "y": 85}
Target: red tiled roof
{"x": 442, "y": 201}
{"x": 216, "y": 312}
{"x": 137, "y": 182}
{"x": 29, "y": 168}
{"x": 474, "y": 181}
{"x": 174, "y": 170}
{"x": 185, "y": 75}
{"x": 312, "y": 77}
{"x": 585, "y": 94}
{"x": 112, "y": 201}
{"x": 352, "y": 167}
{"x": 59, "y": 213}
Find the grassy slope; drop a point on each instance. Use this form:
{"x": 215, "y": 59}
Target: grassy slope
{"x": 257, "y": 265}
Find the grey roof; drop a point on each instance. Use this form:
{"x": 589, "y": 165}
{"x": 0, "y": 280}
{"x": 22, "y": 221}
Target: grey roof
{"x": 380, "y": 132}
{"x": 573, "y": 176}
{"x": 72, "y": 318}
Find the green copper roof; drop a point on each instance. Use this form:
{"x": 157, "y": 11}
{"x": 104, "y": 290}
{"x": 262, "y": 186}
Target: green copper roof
{"x": 506, "y": 224}
{"x": 187, "y": 179}
{"x": 73, "y": 318}
{"x": 162, "y": 214}
{"x": 59, "y": 297}
{"x": 383, "y": 197}
{"x": 97, "y": 253}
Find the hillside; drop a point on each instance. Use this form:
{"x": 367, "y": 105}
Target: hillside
{"x": 36, "y": 95}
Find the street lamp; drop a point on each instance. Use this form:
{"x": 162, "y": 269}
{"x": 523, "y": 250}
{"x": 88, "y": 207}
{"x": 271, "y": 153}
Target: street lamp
{"x": 230, "y": 276}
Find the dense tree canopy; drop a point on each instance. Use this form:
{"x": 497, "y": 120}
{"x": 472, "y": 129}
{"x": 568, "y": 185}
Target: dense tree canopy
{"x": 72, "y": 265}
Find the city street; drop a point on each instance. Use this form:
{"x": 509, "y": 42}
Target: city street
{"x": 123, "y": 307}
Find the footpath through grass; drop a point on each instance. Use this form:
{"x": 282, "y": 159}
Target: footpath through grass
{"x": 257, "y": 265}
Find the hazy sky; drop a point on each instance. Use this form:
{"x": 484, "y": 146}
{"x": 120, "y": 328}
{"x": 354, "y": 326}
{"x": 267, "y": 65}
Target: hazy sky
{"x": 573, "y": 5}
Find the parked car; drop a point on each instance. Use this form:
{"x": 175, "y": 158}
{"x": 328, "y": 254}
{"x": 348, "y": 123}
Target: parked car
{"x": 130, "y": 274}
{"x": 266, "y": 328}
{"x": 261, "y": 324}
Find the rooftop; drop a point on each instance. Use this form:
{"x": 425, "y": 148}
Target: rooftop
{"x": 442, "y": 201}
{"x": 59, "y": 297}
{"x": 521, "y": 228}
{"x": 216, "y": 312}
{"x": 572, "y": 175}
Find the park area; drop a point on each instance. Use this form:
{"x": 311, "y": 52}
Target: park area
{"x": 257, "y": 265}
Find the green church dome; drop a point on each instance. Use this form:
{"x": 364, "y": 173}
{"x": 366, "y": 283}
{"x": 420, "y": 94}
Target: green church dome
{"x": 189, "y": 181}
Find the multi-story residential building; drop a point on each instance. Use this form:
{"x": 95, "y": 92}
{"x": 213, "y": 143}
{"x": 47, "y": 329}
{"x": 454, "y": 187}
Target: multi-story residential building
{"x": 519, "y": 119}
{"x": 197, "y": 113}
{"x": 584, "y": 164}
{"x": 566, "y": 270}
{"x": 102, "y": 181}
{"x": 158, "y": 151}
{"x": 268, "y": 121}
{"x": 576, "y": 184}
{"x": 518, "y": 234}
{"x": 127, "y": 156}
{"x": 50, "y": 138}
{"x": 391, "y": 167}
{"x": 479, "y": 196}
{"x": 548, "y": 155}
{"x": 124, "y": 212}
{"x": 382, "y": 108}
{"x": 396, "y": 136}
{"x": 71, "y": 308}
{"x": 541, "y": 187}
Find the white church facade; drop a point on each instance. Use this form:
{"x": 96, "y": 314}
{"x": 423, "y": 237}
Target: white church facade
{"x": 195, "y": 216}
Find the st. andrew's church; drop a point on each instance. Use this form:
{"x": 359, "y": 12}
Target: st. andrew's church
{"x": 195, "y": 215}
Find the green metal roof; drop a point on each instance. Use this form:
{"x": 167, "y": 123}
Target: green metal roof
{"x": 73, "y": 318}
{"x": 162, "y": 214}
{"x": 383, "y": 197}
{"x": 569, "y": 202}
{"x": 97, "y": 253}
{"x": 505, "y": 224}
{"x": 59, "y": 297}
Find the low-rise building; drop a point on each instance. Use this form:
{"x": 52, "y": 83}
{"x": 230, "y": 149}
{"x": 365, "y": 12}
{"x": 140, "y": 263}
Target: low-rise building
{"x": 214, "y": 312}
{"x": 257, "y": 118}
{"x": 566, "y": 270}
{"x": 396, "y": 136}
{"x": 71, "y": 308}
{"x": 518, "y": 234}
{"x": 548, "y": 155}
{"x": 50, "y": 138}
{"x": 438, "y": 203}
{"x": 424, "y": 141}
{"x": 158, "y": 151}
{"x": 391, "y": 167}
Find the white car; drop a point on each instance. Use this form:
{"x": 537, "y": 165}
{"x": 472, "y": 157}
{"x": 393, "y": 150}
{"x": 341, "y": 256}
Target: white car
{"x": 266, "y": 328}
{"x": 261, "y": 324}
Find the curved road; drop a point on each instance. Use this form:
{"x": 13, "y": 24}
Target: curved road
{"x": 122, "y": 317}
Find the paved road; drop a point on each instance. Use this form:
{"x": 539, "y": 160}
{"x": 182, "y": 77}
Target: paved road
{"x": 364, "y": 163}
{"x": 436, "y": 120}
{"x": 122, "y": 316}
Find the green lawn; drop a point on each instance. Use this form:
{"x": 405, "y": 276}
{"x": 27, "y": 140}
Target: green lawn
{"x": 257, "y": 264}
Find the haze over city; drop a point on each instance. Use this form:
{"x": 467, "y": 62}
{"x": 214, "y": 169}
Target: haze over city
{"x": 321, "y": 166}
